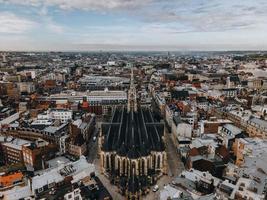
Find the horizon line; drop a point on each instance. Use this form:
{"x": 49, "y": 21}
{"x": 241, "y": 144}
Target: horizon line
{"x": 237, "y": 50}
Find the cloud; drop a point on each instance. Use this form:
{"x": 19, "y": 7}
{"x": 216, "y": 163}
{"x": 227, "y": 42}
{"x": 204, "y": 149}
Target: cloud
{"x": 49, "y": 23}
{"x": 12, "y": 24}
{"x": 209, "y": 16}
{"x": 193, "y": 15}
{"x": 83, "y": 4}
{"x": 133, "y": 23}
{"x": 55, "y": 28}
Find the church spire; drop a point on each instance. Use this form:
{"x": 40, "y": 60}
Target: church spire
{"x": 132, "y": 100}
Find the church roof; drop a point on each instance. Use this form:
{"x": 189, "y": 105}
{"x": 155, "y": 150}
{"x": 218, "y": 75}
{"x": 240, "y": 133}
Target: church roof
{"x": 133, "y": 134}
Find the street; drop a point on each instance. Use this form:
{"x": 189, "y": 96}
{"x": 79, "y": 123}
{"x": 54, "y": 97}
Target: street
{"x": 112, "y": 189}
{"x": 175, "y": 164}
{"x": 92, "y": 147}
{"x": 175, "y": 167}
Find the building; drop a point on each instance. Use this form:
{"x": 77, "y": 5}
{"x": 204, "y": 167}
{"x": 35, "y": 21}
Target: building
{"x": 6, "y": 122}
{"x": 257, "y": 127}
{"x": 132, "y": 148}
{"x": 94, "y": 82}
{"x": 73, "y": 195}
{"x": 12, "y": 150}
{"x": 23, "y": 106}
{"x": 229, "y": 133}
{"x": 206, "y": 154}
{"x": 49, "y": 84}
{"x": 13, "y": 91}
{"x": 22, "y": 191}
{"x": 212, "y": 125}
{"x": 232, "y": 81}
{"x": 243, "y": 189}
{"x": 161, "y": 103}
{"x": 48, "y": 132}
{"x": 193, "y": 184}
{"x": 171, "y": 111}
{"x": 77, "y": 144}
{"x": 10, "y": 180}
{"x": 202, "y": 103}
{"x": 248, "y": 147}
{"x": 61, "y": 114}
{"x": 106, "y": 99}
{"x": 35, "y": 154}
{"x": 238, "y": 117}
{"x": 96, "y": 101}
{"x": 230, "y": 92}
{"x": 81, "y": 131}
{"x": 181, "y": 132}
{"x": 26, "y": 87}
{"x": 205, "y": 182}
{"x": 71, "y": 172}
{"x": 180, "y": 95}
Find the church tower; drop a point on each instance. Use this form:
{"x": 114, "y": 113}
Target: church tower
{"x": 132, "y": 99}
{"x": 133, "y": 147}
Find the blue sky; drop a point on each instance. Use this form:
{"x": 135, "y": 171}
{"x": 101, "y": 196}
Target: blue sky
{"x": 133, "y": 25}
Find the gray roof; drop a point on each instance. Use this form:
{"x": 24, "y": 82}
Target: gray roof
{"x": 233, "y": 129}
{"x": 260, "y": 122}
{"x": 134, "y": 134}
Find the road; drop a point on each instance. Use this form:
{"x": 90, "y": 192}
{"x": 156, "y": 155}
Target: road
{"x": 92, "y": 148}
{"x": 112, "y": 189}
{"x": 175, "y": 167}
{"x": 175, "y": 164}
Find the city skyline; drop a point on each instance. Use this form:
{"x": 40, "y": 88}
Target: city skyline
{"x": 60, "y": 25}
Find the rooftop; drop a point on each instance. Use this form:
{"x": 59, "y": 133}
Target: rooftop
{"x": 17, "y": 143}
{"x": 133, "y": 134}
{"x": 259, "y": 122}
{"x": 79, "y": 168}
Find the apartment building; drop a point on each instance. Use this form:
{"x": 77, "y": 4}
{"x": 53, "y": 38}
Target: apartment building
{"x": 257, "y": 127}
{"x": 12, "y": 150}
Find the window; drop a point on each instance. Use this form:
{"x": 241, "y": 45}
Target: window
{"x": 40, "y": 190}
{"x": 76, "y": 192}
{"x": 50, "y": 185}
{"x": 77, "y": 198}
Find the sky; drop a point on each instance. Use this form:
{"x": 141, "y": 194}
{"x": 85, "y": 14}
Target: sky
{"x": 169, "y": 25}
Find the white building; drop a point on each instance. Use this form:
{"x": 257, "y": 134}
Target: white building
{"x": 111, "y": 63}
{"x": 184, "y": 130}
{"x": 5, "y": 123}
{"x": 106, "y": 97}
{"x": 52, "y": 176}
{"x": 61, "y": 114}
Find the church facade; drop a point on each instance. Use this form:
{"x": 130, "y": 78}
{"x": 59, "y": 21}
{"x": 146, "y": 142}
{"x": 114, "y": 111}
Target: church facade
{"x": 132, "y": 148}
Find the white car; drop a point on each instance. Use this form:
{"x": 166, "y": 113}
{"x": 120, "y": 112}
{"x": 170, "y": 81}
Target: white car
{"x": 94, "y": 138}
{"x": 155, "y": 188}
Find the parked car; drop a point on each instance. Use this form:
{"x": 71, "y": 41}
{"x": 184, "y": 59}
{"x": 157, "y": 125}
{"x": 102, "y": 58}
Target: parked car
{"x": 94, "y": 138}
{"x": 155, "y": 188}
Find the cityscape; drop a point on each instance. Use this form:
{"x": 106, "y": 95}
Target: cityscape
{"x": 133, "y": 100}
